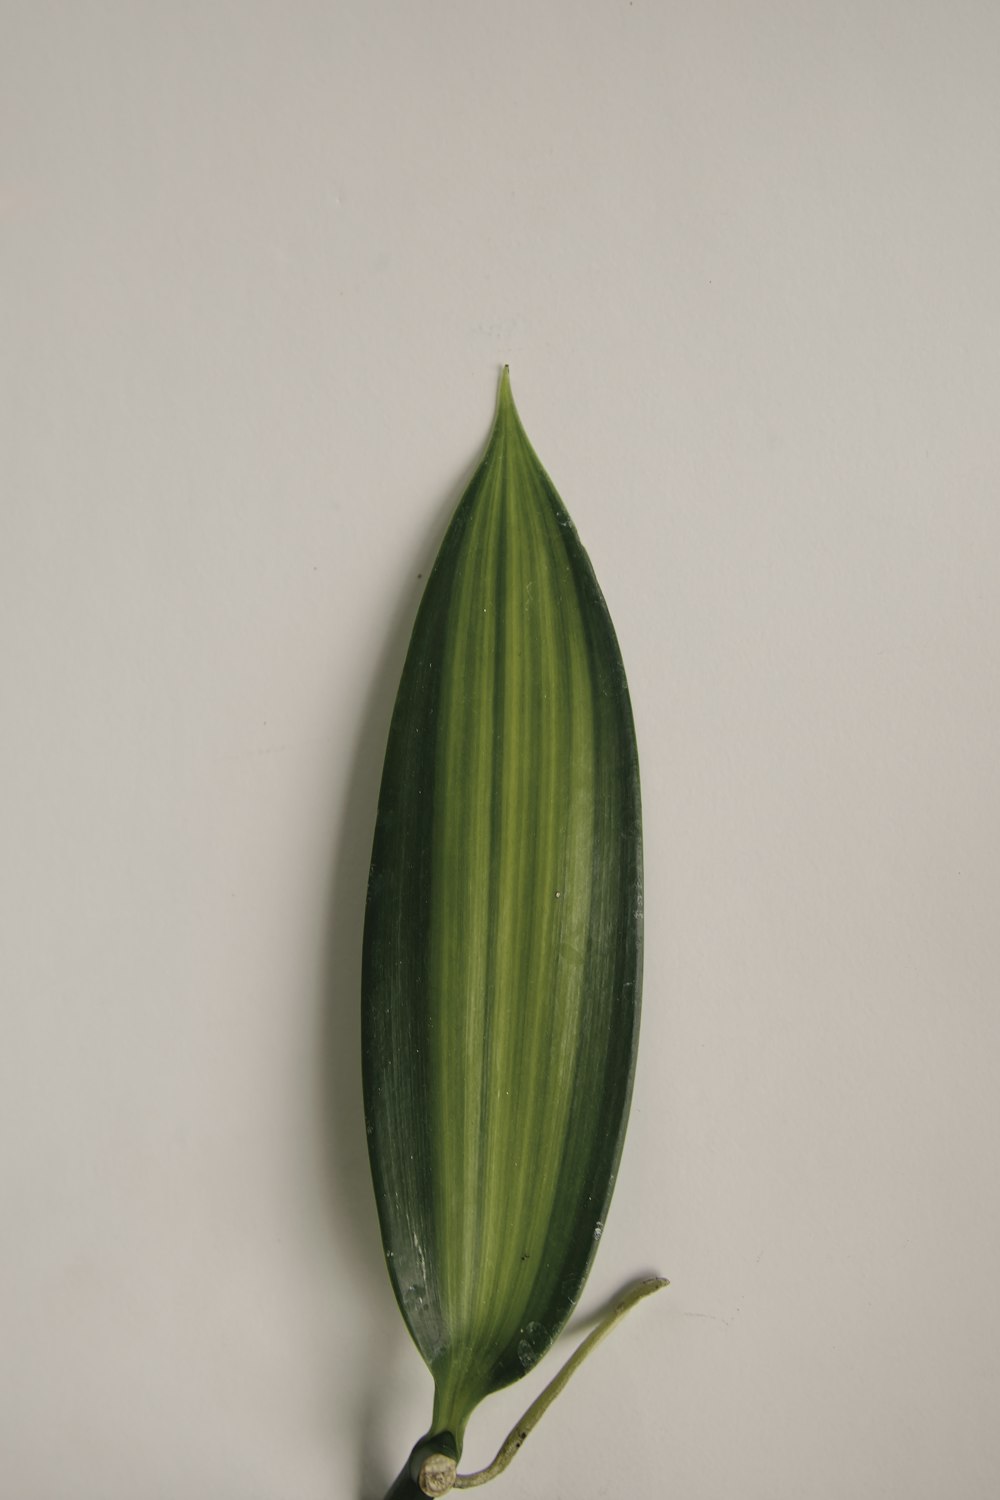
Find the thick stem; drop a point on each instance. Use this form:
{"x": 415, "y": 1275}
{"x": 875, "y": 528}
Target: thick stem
{"x": 408, "y": 1485}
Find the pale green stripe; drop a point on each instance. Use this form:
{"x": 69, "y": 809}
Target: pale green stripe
{"x": 515, "y": 1002}
{"x": 460, "y": 916}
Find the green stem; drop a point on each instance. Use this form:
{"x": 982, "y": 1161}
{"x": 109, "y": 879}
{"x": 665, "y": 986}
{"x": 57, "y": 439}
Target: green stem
{"x": 515, "y": 1438}
{"x": 407, "y": 1485}
{"x": 432, "y": 1464}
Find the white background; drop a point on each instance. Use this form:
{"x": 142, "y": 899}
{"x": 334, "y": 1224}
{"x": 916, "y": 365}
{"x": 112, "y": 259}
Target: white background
{"x": 261, "y": 266}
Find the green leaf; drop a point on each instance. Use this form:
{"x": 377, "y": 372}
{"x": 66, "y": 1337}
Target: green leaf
{"x": 502, "y": 948}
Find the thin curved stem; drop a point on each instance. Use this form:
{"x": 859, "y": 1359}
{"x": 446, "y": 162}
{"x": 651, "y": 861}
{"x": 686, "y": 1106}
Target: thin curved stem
{"x": 515, "y": 1438}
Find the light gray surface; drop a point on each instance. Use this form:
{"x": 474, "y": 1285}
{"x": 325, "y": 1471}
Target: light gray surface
{"x": 261, "y": 265}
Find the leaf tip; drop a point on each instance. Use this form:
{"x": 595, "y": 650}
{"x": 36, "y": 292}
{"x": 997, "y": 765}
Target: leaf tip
{"x": 507, "y": 420}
